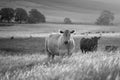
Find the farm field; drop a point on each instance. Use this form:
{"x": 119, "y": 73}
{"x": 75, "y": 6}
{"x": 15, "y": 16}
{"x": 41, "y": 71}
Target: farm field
{"x": 92, "y": 66}
{"x": 24, "y": 57}
{"x": 38, "y": 30}
{"x": 21, "y": 46}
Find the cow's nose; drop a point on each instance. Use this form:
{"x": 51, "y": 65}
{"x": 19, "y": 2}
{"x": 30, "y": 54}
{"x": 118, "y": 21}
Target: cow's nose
{"x": 66, "y": 42}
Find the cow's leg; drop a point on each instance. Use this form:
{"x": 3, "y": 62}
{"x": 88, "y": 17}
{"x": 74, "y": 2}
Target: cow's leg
{"x": 49, "y": 56}
{"x": 53, "y": 57}
{"x": 69, "y": 54}
{"x": 82, "y": 50}
{"x": 85, "y": 51}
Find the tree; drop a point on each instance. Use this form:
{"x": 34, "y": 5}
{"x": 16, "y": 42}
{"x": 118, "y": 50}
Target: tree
{"x": 35, "y": 16}
{"x": 106, "y": 18}
{"x": 21, "y": 15}
{"x": 67, "y": 21}
{"x": 7, "y": 14}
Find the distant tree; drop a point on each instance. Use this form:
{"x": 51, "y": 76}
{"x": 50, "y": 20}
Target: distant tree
{"x": 106, "y": 18}
{"x": 7, "y": 14}
{"x": 21, "y": 15}
{"x": 67, "y": 21}
{"x": 36, "y": 17}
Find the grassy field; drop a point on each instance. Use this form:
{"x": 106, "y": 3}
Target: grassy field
{"x": 92, "y": 66}
{"x": 25, "y": 58}
{"x": 21, "y": 46}
{"x": 38, "y": 30}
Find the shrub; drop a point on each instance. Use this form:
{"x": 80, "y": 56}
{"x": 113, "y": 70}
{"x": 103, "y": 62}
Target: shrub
{"x": 67, "y": 21}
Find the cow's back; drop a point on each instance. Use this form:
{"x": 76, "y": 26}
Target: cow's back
{"x": 88, "y": 44}
{"x": 84, "y": 42}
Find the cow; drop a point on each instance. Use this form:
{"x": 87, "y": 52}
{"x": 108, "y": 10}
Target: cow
{"x": 12, "y": 37}
{"x": 89, "y": 44}
{"x": 60, "y": 44}
{"x": 111, "y": 48}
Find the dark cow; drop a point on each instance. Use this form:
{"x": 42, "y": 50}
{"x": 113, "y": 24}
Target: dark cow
{"x": 12, "y": 37}
{"x": 89, "y": 44}
{"x": 60, "y": 44}
{"x": 111, "y": 48}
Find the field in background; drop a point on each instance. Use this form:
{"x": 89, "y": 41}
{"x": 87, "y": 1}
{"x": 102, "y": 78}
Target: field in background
{"x": 21, "y": 46}
{"x": 38, "y": 30}
{"x": 25, "y": 58}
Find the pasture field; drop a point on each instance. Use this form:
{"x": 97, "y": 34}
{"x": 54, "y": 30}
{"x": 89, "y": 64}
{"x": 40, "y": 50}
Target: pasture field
{"x": 92, "y": 66}
{"x": 25, "y": 58}
{"x": 21, "y": 46}
{"x": 38, "y": 30}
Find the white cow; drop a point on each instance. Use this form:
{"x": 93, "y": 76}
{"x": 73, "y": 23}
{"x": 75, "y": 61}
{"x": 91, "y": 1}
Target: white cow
{"x": 60, "y": 44}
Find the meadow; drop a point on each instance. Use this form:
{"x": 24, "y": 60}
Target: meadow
{"x": 25, "y": 58}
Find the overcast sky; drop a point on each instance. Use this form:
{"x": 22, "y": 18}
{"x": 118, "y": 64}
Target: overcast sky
{"x": 87, "y": 10}
{"x": 109, "y": 1}
{"x": 86, "y": 4}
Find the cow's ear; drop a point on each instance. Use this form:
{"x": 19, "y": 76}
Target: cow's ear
{"x": 61, "y": 31}
{"x": 72, "y": 31}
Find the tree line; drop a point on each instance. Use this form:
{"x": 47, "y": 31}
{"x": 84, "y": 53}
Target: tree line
{"x": 106, "y": 18}
{"x": 20, "y": 15}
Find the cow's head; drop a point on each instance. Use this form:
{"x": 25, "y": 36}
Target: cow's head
{"x": 66, "y": 35}
{"x": 95, "y": 39}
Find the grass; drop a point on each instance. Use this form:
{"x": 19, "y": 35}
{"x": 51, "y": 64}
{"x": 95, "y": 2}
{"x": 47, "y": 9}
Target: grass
{"x": 6, "y": 24}
{"x": 92, "y": 66}
{"x": 25, "y": 30}
{"x": 21, "y": 46}
{"x": 24, "y": 59}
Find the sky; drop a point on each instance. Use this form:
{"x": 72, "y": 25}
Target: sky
{"x": 109, "y": 1}
{"x": 77, "y": 10}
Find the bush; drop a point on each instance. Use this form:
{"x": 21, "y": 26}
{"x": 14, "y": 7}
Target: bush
{"x": 106, "y": 18}
{"x": 67, "y": 21}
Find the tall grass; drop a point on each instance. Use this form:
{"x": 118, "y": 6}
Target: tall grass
{"x": 91, "y": 66}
